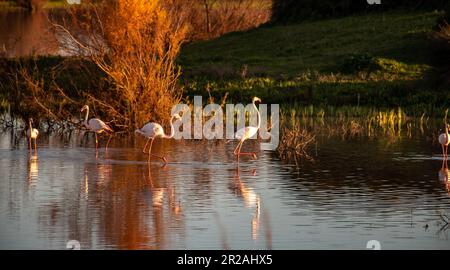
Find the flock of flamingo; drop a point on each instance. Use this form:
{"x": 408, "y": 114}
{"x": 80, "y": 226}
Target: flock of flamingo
{"x": 150, "y": 131}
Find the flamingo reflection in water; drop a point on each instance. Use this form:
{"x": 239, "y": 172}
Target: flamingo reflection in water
{"x": 158, "y": 194}
{"x": 33, "y": 170}
{"x": 140, "y": 210}
{"x": 251, "y": 200}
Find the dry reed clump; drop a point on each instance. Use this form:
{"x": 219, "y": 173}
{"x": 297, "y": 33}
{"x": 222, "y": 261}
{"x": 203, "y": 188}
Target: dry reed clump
{"x": 294, "y": 142}
{"x": 135, "y": 43}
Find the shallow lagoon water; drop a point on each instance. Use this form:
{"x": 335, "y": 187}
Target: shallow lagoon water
{"x": 354, "y": 191}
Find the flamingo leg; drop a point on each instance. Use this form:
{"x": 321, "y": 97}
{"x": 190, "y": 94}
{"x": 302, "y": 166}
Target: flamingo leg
{"x": 145, "y": 146}
{"x": 150, "y": 149}
{"x": 238, "y": 148}
{"x": 239, "y": 153}
{"x": 106, "y": 147}
{"x": 446, "y": 150}
{"x": 253, "y": 154}
{"x": 150, "y": 152}
{"x": 443, "y": 151}
{"x": 35, "y": 146}
{"x": 96, "y": 141}
{"x": 161, "y": 157}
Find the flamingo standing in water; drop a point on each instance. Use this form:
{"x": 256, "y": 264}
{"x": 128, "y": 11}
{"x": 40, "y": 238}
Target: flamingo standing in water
{"x": 96, "y": 125}
{"x": 444, "y": 140}
{"x": 32, "y": 134}
{"x": 153, "y": 130}
{"x": 247, "y": 132}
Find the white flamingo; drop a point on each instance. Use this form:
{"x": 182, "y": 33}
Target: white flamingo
{"x": 32, "y": 134}
{"x": 96, "y": 125}
{"x": 247, "y": 132}
{"x": 444, "y": 140}
{"x": 153, "y": 130}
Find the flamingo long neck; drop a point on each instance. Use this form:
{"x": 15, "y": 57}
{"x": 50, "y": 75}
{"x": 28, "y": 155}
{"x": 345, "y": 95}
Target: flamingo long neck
{"x": 86, "y": 117}
{"x": 259, "y": 115}
{"x": 446, "y": 133}
{"x": 31, "y": 126}
{"x": 172, "y": 130}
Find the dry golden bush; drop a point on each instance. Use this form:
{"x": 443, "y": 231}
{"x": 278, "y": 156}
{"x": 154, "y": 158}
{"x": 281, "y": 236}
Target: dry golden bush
{"x": 135, "y": 43}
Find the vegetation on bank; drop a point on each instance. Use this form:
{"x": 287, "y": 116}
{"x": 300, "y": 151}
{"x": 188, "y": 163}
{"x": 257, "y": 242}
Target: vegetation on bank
{"x": 286, "y": 51}
{"x": 382, "y": 60}
{"x": 207, "y": 19}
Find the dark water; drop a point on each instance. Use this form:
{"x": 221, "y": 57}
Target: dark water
{"x": 356, "y": 190}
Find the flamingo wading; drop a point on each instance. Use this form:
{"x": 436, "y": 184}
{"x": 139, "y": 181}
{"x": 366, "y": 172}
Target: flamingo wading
{"x": 247, "y": 132}
{"x": 153, "y": 130}
{"x": 444, "y": 140}
{"x": 32, "y": 134}
{"x": 96, "y": 125}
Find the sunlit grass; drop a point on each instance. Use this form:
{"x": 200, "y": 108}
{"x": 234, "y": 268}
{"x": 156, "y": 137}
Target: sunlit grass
{"x": 308, "y": 63}
{"x": 289, "y": 50}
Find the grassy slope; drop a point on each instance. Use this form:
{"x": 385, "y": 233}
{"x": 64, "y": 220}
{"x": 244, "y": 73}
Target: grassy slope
{"x": 302, "y": 63}
{"x": 320, "y": 45}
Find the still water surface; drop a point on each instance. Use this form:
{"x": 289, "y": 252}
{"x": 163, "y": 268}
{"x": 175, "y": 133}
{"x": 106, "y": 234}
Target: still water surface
{"x": 355, "y": 190}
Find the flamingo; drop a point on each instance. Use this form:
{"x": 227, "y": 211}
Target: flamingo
{"x": 153, "y": 130}
{"x": 96, "y": 125}
{"x": 247, "y": 132}
{"x": 444, "y": 140}
{"x": 32, "y": 133}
